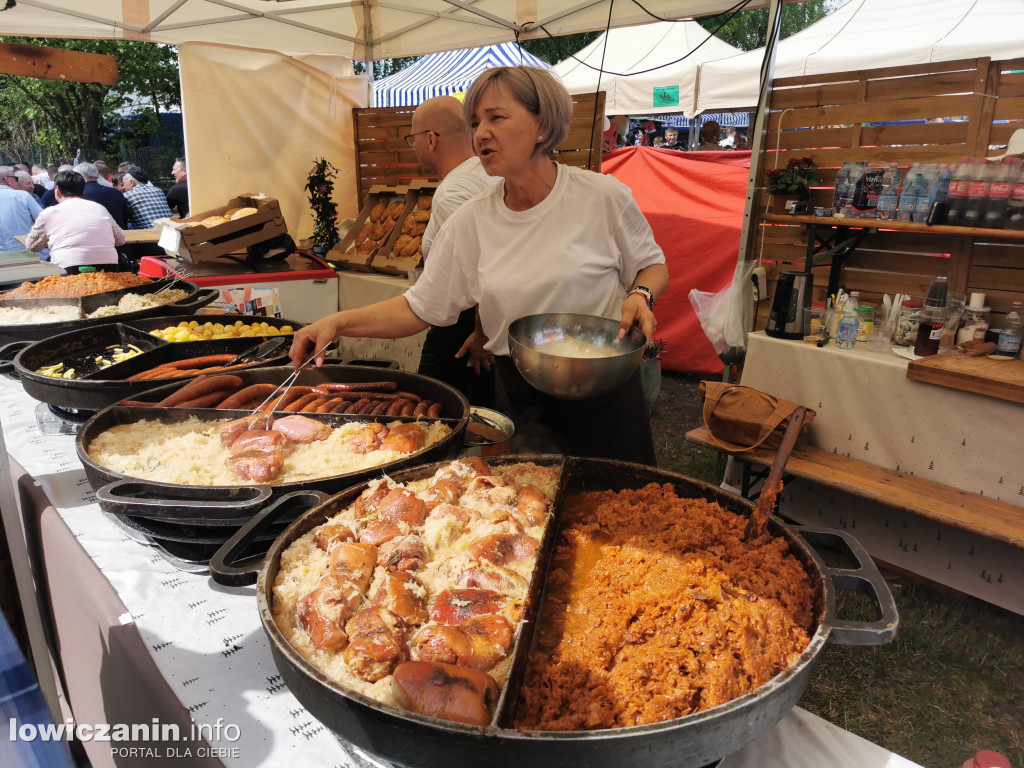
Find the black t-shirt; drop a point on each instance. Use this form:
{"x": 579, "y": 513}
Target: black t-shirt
{"x": 177, "y": 198}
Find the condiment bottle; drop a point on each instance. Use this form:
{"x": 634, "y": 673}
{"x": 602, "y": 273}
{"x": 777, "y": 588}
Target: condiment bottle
{"x": 975, "y": 320}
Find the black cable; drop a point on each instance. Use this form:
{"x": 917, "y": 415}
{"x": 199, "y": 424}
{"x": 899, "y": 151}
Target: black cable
{"x": 601, "y": 70}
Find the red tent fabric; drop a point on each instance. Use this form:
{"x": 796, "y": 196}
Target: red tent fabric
{"x": 694, "y": 202}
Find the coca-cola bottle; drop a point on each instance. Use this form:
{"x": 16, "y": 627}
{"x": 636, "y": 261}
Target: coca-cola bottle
{"x": 999, "y": 192}
{"x": 1015, "y": 205}
{"x": 977, "y": 192}
{"x": 956, "y": 197}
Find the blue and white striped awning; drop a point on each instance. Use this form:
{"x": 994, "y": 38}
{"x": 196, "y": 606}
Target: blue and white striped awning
{"x": 447, "y": 73}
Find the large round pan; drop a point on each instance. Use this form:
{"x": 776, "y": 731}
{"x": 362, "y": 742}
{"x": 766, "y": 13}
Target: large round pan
{"x": 196, "y": 299}
{"x": 689, "y": 742}
{"x": 95, "y": 389}
{"x": 231, "y": 506}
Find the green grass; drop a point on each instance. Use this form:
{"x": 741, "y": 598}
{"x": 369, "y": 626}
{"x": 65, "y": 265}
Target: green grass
{"x": 950, "y": 684}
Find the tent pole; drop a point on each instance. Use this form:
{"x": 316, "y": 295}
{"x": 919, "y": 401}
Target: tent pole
{"x": 368, "y": 43}
{"x": 760, "y": 134}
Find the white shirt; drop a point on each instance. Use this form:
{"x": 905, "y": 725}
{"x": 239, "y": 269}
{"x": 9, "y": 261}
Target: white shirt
{"x": 78, "y": 232}
{"x": 578, "y": 250}
{"x": 464, "y": 182}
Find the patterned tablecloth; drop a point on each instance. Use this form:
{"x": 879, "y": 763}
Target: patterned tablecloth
{"x": 868, "y": 409}
{"x": 209, "y": 649}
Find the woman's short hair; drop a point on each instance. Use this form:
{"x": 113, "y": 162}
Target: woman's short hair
{"x": 70, "y": 183}
{"x": 536, "y": 89}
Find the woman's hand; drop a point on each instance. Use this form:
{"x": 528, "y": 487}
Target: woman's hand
{"x": 314, "y": 338}
{"x": 479, "y": 358}
{"x": 636, "y": 312}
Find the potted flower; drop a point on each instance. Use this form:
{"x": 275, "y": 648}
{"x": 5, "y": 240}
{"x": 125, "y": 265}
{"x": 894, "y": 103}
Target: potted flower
{"x": 320, "y": 186}
{"x": 792, "y": 182}
{"x": 650, "y": 370}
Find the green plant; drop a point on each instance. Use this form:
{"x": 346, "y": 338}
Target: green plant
{"x": 795, "y": 178}
{"x": 320, "y": 186}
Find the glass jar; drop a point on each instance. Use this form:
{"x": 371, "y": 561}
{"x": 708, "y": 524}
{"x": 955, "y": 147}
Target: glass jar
{"x": 975, "y": 323}
{"x": 905, "y": 332}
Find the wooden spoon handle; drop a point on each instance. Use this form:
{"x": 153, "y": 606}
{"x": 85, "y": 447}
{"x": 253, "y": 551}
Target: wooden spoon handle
{"x": 772, "y": 486}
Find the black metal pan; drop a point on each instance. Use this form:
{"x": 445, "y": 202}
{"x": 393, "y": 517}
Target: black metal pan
{"x": 195, "y": 299}
{"x": 96, "y": 388}
{"x": 408, "y": 739}
{"x": 228, "y": 505}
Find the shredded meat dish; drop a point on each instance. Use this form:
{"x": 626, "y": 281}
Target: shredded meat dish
{"x": 75, "y": 286}
{"x": 656, "y": 608}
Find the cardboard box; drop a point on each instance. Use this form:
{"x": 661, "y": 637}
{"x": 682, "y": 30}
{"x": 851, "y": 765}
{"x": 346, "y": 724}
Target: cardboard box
{"x": 195, "y": 242}
{"x": 402, "y": 255}
{"x": 346, "y": 253}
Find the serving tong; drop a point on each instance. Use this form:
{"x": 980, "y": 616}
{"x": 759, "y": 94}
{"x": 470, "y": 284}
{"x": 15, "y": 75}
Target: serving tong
{"x": 179, "y": 275}
{"x": 259, "y": 352}
{"x": 289, "y": 380}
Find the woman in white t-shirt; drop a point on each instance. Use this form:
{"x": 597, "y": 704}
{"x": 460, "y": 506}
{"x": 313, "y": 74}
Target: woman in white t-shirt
{"x": 547, "y": 238}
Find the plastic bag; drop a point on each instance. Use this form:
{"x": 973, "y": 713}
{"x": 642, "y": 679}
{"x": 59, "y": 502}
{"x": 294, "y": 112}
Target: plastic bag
{"x": 727, "y": 316}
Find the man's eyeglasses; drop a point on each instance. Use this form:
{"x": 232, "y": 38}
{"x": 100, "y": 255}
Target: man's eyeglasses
{"x": 411, "y": 138}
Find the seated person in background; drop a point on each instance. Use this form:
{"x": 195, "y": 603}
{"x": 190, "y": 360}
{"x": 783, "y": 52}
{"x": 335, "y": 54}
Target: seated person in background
{"x": 729, "y": 142}
{"x": 145, "y": 202}
{"x": 18, "y": 210}
{"x": 177, "y": 195}
{"x": 25, "y": 182}
{"x": 108, "y": 197}
{"x": 672, "y": 139}
{"x": 104, "y": 178}
{"x": 78, "y": 232}
{"x": 49, "y": 198}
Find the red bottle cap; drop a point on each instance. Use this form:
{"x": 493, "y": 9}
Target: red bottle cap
{"x": 989, "y": 759}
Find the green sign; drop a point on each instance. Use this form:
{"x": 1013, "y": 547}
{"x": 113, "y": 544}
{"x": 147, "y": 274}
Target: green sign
{"x": 666, "y": 97}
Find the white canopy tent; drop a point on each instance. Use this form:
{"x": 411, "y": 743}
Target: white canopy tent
{"x": 362, "y": 30}
{"x": 865, "y": 34}
{"x": 649, "y": 69}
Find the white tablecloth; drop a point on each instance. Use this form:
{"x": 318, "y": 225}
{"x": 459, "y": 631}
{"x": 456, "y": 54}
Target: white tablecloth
{"x": 360, "y": 289}
{"x": 868, "y": 409}
{"x": 206, "y": 641}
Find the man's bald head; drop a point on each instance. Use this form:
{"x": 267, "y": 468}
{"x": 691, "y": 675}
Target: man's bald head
{"x": 442, "y": 139}
{"x": 25, "y": 181}
{"x": 443, "y": 115}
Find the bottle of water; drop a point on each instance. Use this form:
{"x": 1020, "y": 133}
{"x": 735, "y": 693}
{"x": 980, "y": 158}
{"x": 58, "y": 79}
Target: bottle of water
{"x": 914, "y": 185}
{"x": 841, "y": 194}
{"x": 886, "y": 207}
{"x": 1009, "y": 339}
{"x": 846, "y": 336}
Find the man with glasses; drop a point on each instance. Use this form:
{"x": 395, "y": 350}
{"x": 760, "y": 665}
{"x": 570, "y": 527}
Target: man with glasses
{"x": 18, "y": 210}
{"x": 444, "y": 145}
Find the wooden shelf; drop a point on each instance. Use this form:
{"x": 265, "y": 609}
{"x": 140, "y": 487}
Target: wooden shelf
{"x": 901, "y": 226}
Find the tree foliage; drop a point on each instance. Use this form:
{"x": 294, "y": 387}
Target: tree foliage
{"x": 50, "y": 120}
{"x": 747, "y": 30}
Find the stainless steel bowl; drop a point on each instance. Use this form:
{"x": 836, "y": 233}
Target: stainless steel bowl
{"x": 572, "y": 356}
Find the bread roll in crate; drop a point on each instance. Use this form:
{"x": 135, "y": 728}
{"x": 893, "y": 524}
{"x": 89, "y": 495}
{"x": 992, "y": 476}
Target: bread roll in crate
{"x": 244, "y": 221}
{"x": 375, "y": 228}
{"x": 404, "y": 252}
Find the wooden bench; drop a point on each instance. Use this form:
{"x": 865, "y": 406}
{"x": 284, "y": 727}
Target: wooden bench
{"x": 988, "y": 517}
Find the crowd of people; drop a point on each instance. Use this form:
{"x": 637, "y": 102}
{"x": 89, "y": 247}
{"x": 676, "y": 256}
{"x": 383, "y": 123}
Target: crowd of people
{"x": 712, "y": 137}
{"x": 75, "y": 215}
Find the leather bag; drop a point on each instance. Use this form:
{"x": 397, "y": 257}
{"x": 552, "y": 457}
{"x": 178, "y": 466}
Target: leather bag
{"x": 742, "y": 418}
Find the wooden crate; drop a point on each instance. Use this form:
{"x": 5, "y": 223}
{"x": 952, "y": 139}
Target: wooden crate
{"x": 345, "y": 253}
{"x": 205, "y": 243}
{"x": 833, "y": 118}
{"x": 383, "y": 157}
{"x": 387, "y": 260}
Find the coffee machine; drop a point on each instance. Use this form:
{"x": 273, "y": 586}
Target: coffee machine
{"x": 792, "y": 295}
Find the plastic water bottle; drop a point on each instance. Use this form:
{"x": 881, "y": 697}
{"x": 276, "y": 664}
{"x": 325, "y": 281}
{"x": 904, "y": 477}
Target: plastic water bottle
{"x": 856, "y": 174}
{"x": 841, "y": 194}
{"x": 1009, "y": 339}
{"x": 886, "y": 207}
{"x": 915, "y": 185}
{"x": 846, "y": 336}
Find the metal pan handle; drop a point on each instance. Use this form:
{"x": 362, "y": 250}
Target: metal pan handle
{"x": 135, "y": 498}
{"x": 8, "y": 352}
{"x": 199, "y": 299}
{"x": 865, "y": 578}
{"x": 229, "y": 566}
